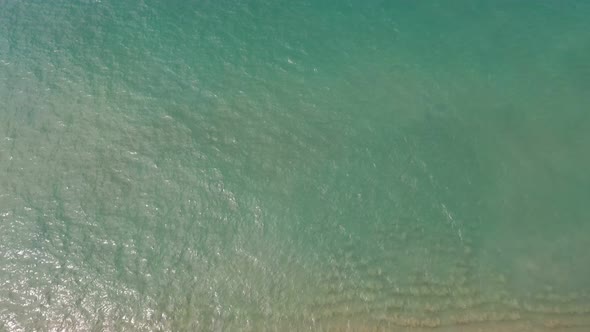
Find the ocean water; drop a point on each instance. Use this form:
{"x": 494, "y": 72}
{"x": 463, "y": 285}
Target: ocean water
{"x": 294, "y": 165}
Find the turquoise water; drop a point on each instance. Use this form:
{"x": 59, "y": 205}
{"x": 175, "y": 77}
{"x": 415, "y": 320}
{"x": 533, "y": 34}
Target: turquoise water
{"x": 304, "y": 165}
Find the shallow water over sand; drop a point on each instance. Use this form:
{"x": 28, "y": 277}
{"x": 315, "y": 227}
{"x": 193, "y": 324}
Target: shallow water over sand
{"x": 259, "y": 165}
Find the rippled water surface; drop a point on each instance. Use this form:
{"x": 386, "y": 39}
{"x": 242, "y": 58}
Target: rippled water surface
{"x": 294, "y": 165}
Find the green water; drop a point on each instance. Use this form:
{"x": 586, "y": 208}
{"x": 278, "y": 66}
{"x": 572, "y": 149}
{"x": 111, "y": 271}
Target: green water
{"x": 294, "y": 165}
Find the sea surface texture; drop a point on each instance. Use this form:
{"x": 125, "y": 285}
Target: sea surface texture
{"x": 269, "y": 165}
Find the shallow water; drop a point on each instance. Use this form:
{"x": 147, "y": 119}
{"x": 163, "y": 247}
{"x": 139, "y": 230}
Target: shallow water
{"x": 258, "y": 165}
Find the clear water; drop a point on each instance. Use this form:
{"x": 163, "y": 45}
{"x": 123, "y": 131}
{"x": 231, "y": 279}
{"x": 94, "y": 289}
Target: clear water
{"x": 304, "y": 165}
